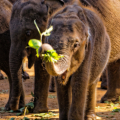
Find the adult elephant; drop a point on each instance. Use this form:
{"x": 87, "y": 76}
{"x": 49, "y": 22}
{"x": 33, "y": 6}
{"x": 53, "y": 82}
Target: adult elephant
{"x": 22, "y": 29}
{"x": 109, "y": 10}
{"x": 5, "y": 14}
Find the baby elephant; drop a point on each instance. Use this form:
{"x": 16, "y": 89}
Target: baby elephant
{"x": 80, "y": 36}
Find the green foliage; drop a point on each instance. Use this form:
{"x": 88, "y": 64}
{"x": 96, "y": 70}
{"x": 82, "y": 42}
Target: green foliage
{"x": 50, "y": 55}
{"x": 34, "y": 43}
{"x": 44, "y": 115}
{"x": 12, "y": 119}
{"x": 3, "y": 91}
{"x": 32, "y": 94}
{"x": 52, "y": 96}
{"x": 116, "y": 110}
{"x": 26, "y": 118}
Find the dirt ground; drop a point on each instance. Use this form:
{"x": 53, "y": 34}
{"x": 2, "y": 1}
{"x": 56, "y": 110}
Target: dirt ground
{"x": 103, "y": 111}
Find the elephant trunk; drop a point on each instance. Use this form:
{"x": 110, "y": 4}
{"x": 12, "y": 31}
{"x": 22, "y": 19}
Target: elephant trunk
{"x": 55, "y": 68}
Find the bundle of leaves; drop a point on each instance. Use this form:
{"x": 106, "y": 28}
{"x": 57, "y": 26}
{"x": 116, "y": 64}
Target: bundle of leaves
{"x": 49, "y": 55}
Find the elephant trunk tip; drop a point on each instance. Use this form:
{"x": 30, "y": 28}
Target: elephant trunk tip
{"x": 44, "y": 48}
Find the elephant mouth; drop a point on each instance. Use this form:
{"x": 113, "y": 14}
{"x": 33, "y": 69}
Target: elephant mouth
{"x": 63, "y": 76}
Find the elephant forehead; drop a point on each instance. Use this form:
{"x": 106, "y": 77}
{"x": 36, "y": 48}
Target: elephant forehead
{"x": 67, "y": 24}
{"x": 34, "y": 10}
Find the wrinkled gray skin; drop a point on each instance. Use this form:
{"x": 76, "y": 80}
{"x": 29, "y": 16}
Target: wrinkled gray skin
{"x": 109, "y": 10}
{"x": 6, "y": 17}
{"x": 80, "y": 36}
{"x": 22, "y": 29}
{"x": 5, "y": 12}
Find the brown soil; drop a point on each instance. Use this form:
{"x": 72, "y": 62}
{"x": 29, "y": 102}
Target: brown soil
{"x": 103, "y": 111}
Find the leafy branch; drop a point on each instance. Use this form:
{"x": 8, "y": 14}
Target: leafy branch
{"x": 49, "y": 55}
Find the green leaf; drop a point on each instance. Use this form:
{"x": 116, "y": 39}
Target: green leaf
{"x": 116, "y": 110}
{"x": 26, "y": 118}
{"x": 18, "y": 114}
{"x": 34, "y": 43}
{"x": 30, "y": 105}
{"x": 11, "y": 111}
{"x": 12, "y": 119}
{"x": 2, "y": 108}
{"x": 32, "y": 94}
{"x": 51, "y": 56}
{"x": 21, "y": 109}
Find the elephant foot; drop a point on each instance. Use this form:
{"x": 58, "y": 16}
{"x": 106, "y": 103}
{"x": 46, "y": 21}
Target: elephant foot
{"x": 7, "y": 107}
{"x": 109, "y": 98}
{"x": 25, "y": 75}
{"x": 90, "y": 117}
{"x": 14, "y": 104}
{"x": 21, "y": 105}
{"x": 1, "y": 76}
{"x": 38, "y": 109}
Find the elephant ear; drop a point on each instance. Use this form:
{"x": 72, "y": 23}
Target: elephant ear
{"x": 52, "y": 6}
{"x": 5, "y": 14}
{"x": 83, "y": 18}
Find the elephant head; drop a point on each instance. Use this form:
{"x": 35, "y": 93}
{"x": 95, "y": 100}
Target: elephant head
{"x": 69, "y": 38}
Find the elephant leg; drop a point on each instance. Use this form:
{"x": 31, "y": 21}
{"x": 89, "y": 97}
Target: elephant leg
{"x": 17, "y": 91}
{"x": 113, "y": 91}
{"x": 104, "y": 80}
{"x": 80, "y": 80}
{"x": 64, "y": 99}
{"x": 7, "y": 106}
{"x": 22, "y": 98}
{"x": 41, "y": 87}
{"x": 1, "y": 76}
{"x": 91, "y": 102}
{"x": 52, "y": 85}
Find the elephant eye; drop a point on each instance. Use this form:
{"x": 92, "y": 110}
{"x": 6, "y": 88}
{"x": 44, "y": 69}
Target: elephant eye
{"x": 76, "y": 44}
{"x": 28, "y": 32}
